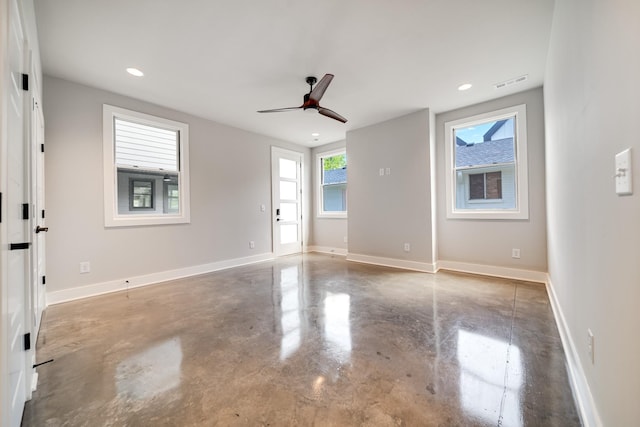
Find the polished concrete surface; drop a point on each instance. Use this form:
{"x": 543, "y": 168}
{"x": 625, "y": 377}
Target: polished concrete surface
{"x": 306, "y": 340}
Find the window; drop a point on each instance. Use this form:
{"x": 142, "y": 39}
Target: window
{"x": 146, "y": 161}
{"x": 141, "y": 194}
{"x": 332, "y": 179}
{"x": 486, "y": 160}
{"x": 171, "y": 198}
{"x": 485, "y": 186}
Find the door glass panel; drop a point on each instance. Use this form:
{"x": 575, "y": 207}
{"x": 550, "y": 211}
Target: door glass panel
{"x": 288, "y": 190}
{"x": 288, "y": 233}
{"x": 287, "y": 169}
{"x": 288, "y": 211}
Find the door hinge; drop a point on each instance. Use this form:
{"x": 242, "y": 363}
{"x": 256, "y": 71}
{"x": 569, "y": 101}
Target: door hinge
{"x": 42, "y": 148}
{"x": 44, "y": 280}
{"x": 25, "y": 211}
{"x": 27, "y": 341}
{"x": 25, "y": 82}
{"x": 19, "y": 246}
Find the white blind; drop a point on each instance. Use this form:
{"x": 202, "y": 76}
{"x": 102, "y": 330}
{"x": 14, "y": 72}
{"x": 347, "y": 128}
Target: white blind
{"x": 146, "y": 147}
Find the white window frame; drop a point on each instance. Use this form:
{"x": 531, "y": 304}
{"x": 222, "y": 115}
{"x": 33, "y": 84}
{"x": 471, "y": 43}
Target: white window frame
{"x": 521, "y": 211}
{"x": 320, "y": 200}
{"x": 111, "y": 216}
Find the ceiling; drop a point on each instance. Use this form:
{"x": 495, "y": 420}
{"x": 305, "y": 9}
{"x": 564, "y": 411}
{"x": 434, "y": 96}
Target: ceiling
{"x": 225, "y": 59}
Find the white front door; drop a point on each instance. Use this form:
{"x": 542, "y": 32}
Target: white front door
{"x": 286, "y": 179}
{"x": 18, "y": 236}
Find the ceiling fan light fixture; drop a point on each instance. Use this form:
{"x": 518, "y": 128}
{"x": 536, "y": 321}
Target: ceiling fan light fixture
{"x": 311, "y": 100}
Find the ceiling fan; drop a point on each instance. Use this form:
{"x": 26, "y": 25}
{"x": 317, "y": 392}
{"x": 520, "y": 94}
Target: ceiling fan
{"x": 312, "y": 99}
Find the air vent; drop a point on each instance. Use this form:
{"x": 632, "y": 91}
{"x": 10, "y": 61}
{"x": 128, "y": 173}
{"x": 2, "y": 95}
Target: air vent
{"x": 511, "y": 82}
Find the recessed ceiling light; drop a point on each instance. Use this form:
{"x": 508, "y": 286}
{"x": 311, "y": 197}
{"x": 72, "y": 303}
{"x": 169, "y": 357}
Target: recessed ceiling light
{"x": 135, "y": 72}
{"x": 315, "y": 134}
{"x": 464, "y": 86}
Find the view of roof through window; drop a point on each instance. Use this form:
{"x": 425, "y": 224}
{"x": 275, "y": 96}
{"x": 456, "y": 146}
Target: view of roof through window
{"x": 145, "y": 147}
{"x": 485, "y": 144}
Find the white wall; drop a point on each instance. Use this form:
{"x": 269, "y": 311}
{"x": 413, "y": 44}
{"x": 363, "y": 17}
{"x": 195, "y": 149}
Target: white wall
{"x": 327, "y": 233}
{"x": 489, "y": 242}
{"x": 387, "y": 211}
{"x": 230, "y": 178}
{"x": 592, "y": 107}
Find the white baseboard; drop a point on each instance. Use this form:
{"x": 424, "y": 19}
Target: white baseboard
{"x": 95, "y": 289}
{"x": 584, "y": 399}
{"x": 494, "y": 271}
{"x": 327, "y": 250}
{"x": 392, "y": 262}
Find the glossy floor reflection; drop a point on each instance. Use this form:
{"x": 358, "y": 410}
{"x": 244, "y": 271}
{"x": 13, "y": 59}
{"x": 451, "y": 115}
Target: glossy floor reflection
{"x": 306, "y": 340}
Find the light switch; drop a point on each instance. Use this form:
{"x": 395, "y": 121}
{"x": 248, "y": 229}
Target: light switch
{"x": 623, "y": 174}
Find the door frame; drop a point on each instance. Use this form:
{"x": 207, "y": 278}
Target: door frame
{"x": 276, "y": 154}
{"x": 37, "y": 284}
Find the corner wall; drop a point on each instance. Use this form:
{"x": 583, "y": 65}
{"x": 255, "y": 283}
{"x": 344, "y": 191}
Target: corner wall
{"x": 386, "y": 211}
{"x": 484, "y": 246}
{"x": 592, "y": 106}
{"x": 230, "y": 174}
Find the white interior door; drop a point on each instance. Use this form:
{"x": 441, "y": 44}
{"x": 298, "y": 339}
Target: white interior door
{"x": 18, "y": 233}
{"x": 38, "y": 264}
{"x": 286, "y": 179}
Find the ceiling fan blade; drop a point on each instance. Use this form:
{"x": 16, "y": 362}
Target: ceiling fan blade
{"x": 322, "y": 85}
{"x": 332, "y": 114}
{"x": 278, "y": 110}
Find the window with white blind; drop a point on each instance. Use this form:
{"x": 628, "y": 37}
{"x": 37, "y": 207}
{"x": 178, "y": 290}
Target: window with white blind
{"x": 146, "y": 177}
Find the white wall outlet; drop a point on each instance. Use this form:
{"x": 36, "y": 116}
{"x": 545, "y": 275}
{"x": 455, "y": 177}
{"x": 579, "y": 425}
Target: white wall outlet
{"x": 85, "y": 267}
{"x": 263, "y": 208}
{"x": 590, "y": 344}
{"x": 381, "y": 171}
{"x": 407, "y": 247}
{"x": 252, "y": 244}
{"x": 623, "y": 174}
{"x": 387, "y": 171}
{"x": 345, "y": 239}
{"x": 515, "y": 253}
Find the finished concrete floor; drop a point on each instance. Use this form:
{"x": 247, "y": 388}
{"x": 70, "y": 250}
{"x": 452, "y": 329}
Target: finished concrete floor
{"x": 306, "y": 340}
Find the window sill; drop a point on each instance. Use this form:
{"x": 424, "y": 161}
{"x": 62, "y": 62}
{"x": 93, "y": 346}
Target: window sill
{"x": 501, "y": 214}
{"x": 332, "y": 216}
{"x": 142, "y": 220}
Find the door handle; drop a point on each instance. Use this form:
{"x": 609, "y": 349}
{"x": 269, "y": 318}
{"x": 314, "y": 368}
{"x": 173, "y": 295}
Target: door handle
{"x": 39, "y": 229}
